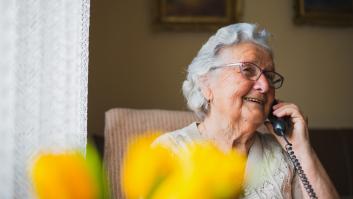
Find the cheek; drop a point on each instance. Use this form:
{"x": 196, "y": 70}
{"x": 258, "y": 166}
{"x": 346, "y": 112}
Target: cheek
{"x": 232, "y": 88}
{"x": 241, "y": 88}
{"x": 270, "y": 98}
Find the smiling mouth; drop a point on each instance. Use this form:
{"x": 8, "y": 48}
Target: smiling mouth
{"x": 255, "y": 100}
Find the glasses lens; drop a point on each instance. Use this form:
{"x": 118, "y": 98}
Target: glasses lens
{"x": 275, "y": 79}
{"x": 250, "y": 71}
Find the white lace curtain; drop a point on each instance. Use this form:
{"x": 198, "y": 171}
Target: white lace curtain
{"x": 43, "y": 84}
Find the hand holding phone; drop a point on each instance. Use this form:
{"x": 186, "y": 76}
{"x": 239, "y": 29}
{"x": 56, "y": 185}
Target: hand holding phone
{"x": 281, "y": 127}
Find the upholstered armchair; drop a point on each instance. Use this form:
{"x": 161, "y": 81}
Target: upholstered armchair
{"x": 333, "y": 146}
{"x": 122, "y": 124}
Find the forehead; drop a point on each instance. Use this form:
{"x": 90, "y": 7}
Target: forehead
{"x": 247, "y": 52}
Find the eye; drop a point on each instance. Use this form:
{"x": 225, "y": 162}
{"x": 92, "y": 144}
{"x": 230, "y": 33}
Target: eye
{"x": 275, "y": 79}
{"x": 249, "y": 70}
{"x": 270, "y": 76}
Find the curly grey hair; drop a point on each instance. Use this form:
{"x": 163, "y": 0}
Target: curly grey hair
{"x": 207, "y": 58}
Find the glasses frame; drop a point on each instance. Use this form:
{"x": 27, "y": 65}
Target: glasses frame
{"x": 239, "y": 64}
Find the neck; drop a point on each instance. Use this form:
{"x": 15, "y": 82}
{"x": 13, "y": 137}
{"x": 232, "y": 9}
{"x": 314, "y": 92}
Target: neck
{"x": 227, "y": 135}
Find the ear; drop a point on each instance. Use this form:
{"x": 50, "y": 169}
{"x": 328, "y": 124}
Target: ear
{"x": 204, "y": 83}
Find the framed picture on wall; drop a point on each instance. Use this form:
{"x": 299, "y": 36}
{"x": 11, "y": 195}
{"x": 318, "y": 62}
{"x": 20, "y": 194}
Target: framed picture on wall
{"x": 196, "y": 14}
{"x": 324, "y": 12}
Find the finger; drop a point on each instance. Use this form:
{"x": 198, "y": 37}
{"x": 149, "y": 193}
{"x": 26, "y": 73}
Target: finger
{"x": 280, "y": 104}
{"x": 288, "y": 105}
{"x": 287, "y": 111}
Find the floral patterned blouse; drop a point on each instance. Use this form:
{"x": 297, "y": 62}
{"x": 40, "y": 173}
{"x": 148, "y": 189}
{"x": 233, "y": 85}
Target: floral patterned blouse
{"x": 269, "y": 172}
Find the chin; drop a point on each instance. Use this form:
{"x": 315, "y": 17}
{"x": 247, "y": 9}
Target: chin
{"x": 255, "y": 118}
{"x": 259, "y": 120}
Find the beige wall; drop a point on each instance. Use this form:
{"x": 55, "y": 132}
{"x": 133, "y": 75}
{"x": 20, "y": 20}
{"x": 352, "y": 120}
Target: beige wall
{"x": 132, "y": 66}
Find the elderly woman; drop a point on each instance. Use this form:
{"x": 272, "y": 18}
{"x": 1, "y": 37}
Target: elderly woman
{"x": 231, "y": 86}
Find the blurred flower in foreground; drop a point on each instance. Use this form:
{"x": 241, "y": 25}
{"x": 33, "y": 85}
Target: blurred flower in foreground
{"x": 203, "y": 172}
{"x": 144, "y": 167}
{"x": 69, "y": 175}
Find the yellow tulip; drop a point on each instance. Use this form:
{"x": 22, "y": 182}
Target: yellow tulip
{"x": 203, "y": 171}
{"x": 69, "y": 175}
{"x": 145, "y": 168}
{"x": 63, "y": 176}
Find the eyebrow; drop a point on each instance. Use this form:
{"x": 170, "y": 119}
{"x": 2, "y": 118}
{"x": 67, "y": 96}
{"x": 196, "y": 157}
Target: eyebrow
{"x": 265, "y": 68}
{"x": 271, "y": 66}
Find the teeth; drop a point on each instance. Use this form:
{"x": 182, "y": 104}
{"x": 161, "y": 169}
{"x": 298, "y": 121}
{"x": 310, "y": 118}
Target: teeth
{"x": 254, "y": 100}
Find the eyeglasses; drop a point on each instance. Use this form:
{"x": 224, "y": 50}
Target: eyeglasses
{"x": 253, "y": 72}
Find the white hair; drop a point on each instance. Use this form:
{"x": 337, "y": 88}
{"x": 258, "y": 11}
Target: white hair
{"x": 207, "y": 58}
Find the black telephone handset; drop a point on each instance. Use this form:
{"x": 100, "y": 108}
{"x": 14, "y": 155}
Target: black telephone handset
{"x": 281, "y": 127}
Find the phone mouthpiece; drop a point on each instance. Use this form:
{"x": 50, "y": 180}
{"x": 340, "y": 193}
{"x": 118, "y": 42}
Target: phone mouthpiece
{"x": 279, "y": 126}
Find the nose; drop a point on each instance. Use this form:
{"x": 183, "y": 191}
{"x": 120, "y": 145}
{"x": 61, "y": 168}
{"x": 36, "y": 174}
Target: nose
{"x": 262, "y": 85}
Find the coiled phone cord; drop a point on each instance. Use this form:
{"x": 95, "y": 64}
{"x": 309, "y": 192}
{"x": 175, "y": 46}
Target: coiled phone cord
{"x": 299, "y": 169}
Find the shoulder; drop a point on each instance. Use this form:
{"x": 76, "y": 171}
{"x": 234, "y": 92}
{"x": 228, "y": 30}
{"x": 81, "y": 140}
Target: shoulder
{"x": 274, "y": 155}
{"x": 270, "y": 144}
{"x": 179, "y": 139}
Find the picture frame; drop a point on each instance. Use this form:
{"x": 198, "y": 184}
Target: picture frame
{"x": 324, "y": 12}
{"x": 196, "y": 14}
